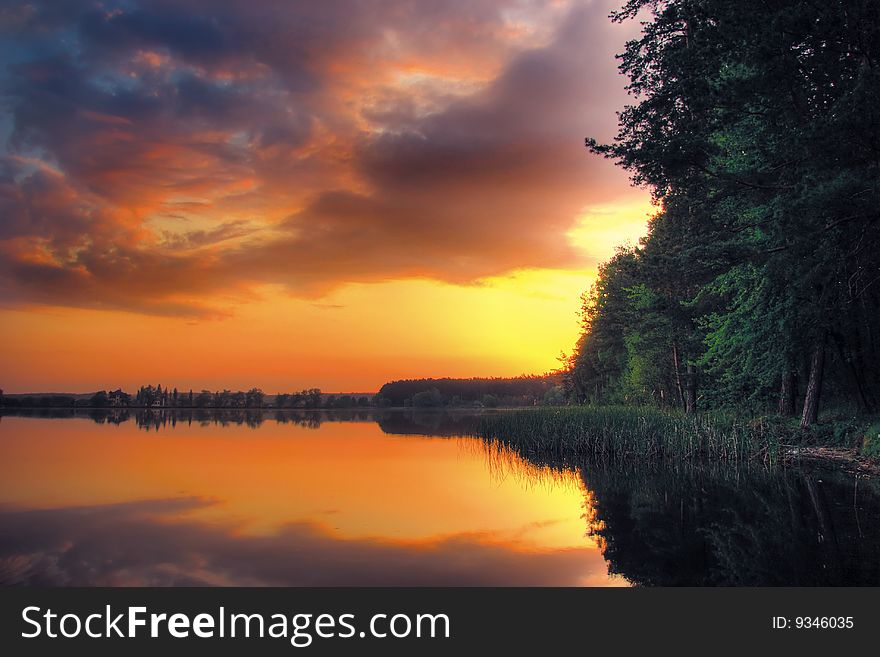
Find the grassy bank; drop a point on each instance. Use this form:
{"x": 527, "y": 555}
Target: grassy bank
{"x": 626, "y": 434}
{"x": 616, "y": 433}
{"x": 622, "y": 434}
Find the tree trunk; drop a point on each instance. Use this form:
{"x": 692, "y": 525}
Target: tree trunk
{"x": 814, "y": 386}
{"x": 677, "y": 365}
{"x": 691, "y": 398}
{"x": 852, "y": 371}
{"x": 787, "y": 393}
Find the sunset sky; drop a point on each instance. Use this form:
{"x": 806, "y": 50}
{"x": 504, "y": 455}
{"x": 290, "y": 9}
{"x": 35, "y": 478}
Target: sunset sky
{"x": 289, "y": 194}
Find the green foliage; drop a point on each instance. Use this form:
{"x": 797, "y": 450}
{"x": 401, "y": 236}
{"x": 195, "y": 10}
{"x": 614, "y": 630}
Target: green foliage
{"x": 428, "y": 399}
{"x": 757, "y": 129}
{"x": 841, "y": 432}
{"x": 555, "y": 396}
{"x": 744, "y": 350}
{"x": 871, "y": 441}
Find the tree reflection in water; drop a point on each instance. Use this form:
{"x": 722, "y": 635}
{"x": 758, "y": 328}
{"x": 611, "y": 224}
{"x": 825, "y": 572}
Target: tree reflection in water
{"x": 716, "y": 525}
{"x": 692, "y": 527}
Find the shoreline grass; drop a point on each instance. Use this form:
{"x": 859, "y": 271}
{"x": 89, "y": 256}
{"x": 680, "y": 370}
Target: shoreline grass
{"x": 624, "y": 434}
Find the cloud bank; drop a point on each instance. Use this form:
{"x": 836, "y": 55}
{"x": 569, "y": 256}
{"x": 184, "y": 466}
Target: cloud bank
{"x": 166, "y": 157}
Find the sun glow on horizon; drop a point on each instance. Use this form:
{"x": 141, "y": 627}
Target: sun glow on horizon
{"x": 411, "y": 198}
{"x": 354, "y": 338}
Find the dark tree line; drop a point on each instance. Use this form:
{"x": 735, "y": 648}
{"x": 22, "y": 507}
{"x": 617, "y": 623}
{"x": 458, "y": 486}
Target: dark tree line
{"x": 160, "y": 398}
{"x": 490, "y": 392}
{"x": 150, "y": 397}
{"x": 310, "y": 398}
{"x": 757, "y": 128}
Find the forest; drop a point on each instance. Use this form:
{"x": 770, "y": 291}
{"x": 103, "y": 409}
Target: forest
{"x": 756, "y": 127}
{"x": 530, "y": 390}
{"x": 486, "y": 392}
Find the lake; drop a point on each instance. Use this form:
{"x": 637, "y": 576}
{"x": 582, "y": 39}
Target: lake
{"x": 397, "y": 498}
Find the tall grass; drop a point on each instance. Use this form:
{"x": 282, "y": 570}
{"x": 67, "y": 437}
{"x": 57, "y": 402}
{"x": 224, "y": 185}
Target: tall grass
{"x": 617, "y": 434}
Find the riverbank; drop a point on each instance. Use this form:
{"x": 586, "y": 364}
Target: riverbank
{"x": 847, "y": 459}
{"x": 619, "y": 434}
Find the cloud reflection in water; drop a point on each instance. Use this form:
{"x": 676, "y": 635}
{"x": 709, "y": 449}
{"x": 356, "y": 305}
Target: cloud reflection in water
{"x": 143, "y": 544}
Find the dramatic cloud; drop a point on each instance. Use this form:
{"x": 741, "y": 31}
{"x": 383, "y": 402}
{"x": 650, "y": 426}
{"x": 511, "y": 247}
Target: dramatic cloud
{"x": 161, "y": 155}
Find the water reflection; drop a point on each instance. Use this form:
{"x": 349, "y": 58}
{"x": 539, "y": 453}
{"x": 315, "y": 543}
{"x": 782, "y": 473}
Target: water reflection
{"x": 713, "y": 525}
{"x": 413, "y": 422}
{"x": 793, "y": 527}
{"x": 141, "y": 544}
{"x": 289, "y": 503}
{"x": 375, "y": 498}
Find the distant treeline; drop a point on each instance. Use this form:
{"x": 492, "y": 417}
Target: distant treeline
{"x": 170, "y": 398}
{"x": 42, "y": 401}
{"x": 424, "y": 393}
{"x": 489, "y": 393}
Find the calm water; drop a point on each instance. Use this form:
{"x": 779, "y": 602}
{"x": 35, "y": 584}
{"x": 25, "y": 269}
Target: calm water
{"x": 397, "y": 499}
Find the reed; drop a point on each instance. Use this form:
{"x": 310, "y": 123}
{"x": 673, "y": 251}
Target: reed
{"x": 626, "y": 434}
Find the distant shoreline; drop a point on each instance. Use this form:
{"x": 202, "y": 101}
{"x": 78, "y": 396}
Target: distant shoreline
{"x": 421, "y": 409}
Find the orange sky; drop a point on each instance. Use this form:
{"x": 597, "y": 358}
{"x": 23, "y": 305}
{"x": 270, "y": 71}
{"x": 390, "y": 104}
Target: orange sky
{"x": 188, "y": 199}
